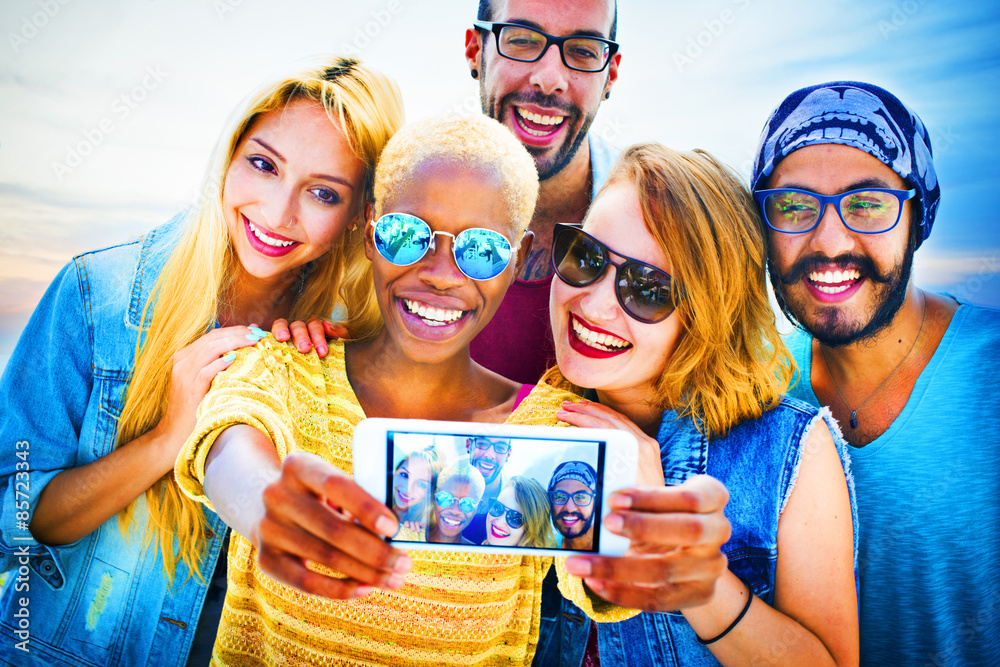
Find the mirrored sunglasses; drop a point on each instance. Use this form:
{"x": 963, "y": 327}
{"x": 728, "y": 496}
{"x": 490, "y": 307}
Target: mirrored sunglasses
{"x": 445, "y": 499}
{"x": 404, "y": 239}
{"x": 514, "y": 518}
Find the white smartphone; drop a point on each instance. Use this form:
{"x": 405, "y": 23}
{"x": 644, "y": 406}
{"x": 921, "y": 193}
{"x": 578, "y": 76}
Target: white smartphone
{"x": 464, "y": 486}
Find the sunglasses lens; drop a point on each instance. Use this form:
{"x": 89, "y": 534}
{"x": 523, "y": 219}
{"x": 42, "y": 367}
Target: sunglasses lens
{"x": 467, "y": 505}
{"x": 444, "y": 499}
{"x": 576, "y": 258}
{"x": 514, "y": 519}
{"x": 496, "y": 508}
{"x": 401, "y": 239}
{"x": 644, "y": 292}
{"x": 482, "y": 254}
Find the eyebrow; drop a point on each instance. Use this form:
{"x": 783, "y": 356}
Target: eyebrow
{"x": 857, "y": 185}
{"x": 537, "y": 26}
{"x": 326, "y": 177}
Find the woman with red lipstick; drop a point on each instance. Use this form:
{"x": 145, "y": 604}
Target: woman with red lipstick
{"x": 520, "y": 516}
{"x": 108, "y": 407}
{"x": 412, "y": 483}
{"x": 661, "y": 310}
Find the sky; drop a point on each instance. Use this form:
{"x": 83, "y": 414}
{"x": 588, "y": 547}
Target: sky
{"x": 109, "y": 109}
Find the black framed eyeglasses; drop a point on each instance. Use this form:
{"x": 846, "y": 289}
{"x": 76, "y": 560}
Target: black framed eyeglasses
{"x": 865, "y": 211}
{"x": 500, "y": 447}
{"x": 514, "y": 518}
{"x": 579, "y": 52}
{"x": 643, "y": 290}
{"x": 580, "y": 498}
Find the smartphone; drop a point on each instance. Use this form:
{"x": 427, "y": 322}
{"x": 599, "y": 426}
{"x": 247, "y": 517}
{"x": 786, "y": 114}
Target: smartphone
{"x": 464, "y": 486}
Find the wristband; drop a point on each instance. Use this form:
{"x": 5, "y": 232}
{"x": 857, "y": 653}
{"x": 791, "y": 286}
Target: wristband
{"x": 732, "y": 625}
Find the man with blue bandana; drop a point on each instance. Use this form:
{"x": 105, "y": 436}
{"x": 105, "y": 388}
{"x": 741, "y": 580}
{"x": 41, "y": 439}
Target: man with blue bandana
{"x": 845, "y": 180}
{"x": 572, "y": 489}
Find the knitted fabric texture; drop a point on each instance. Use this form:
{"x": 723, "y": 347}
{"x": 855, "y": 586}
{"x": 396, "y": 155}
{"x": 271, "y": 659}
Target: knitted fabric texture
{"x": 454, "y": 608}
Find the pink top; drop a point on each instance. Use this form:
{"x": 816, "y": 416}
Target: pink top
{"x": 517, "y": 343}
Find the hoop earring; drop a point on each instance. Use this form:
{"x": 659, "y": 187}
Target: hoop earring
{"x": 475, "y": 74}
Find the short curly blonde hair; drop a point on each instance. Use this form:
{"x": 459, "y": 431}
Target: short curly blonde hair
{"x": 475, "y": 141}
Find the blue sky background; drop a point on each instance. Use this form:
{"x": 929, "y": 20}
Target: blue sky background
{"x": 143, "y": 87}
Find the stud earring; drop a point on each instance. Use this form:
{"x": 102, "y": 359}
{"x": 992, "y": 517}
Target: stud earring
{"x": 475, "y": 74}
{"x": 607, "y": 95}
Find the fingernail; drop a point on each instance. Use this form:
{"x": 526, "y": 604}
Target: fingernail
{"x": 229, "y": 356}
{"x": 620, "y": 501}
{"x": 321, "y": 350}
{"x": 386, "y": 526}
{"x": 595, "y": 585}
{"x": 303, "y": 346}
{"x": 403, "y": 564}
{"x": 578, "y": 567}
{"x": 361, "y": 591}
{"x": 614, "y": 523}
{"x": 395, "y": 581}
{"x": 257, "y": 330}
{"x": 253, "y": 337}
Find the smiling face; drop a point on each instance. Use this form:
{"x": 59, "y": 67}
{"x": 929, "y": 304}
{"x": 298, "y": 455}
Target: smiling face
{"x": 547, "y": 106}
{"x": 410, "y": 484}
{"x": 570, "y": 519}
{"x": 840, "y": 285}
{"x": 597, "y": 344}
{"x": 293, "y": 186}
{"x": 488, "y": 461}
{"x": 498, "y": 531}
{"x": 451, "y": 520}
{"x": 432, "y": 310}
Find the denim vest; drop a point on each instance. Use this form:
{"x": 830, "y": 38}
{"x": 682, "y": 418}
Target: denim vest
{"x": 758, "y": 461}
{"x": 102, "y": 600}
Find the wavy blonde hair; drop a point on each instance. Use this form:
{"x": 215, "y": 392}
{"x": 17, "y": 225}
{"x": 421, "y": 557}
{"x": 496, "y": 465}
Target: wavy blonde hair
{"x": 366, "y": 106}
{"x": 730, "y": 365}
{"x": 534, "y": 504}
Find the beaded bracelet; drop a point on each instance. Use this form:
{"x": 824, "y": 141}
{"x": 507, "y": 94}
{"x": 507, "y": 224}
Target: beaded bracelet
{"x": 732, "y": 625}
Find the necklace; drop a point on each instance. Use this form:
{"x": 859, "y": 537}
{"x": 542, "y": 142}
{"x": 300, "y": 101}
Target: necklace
{"x": 854, "y": 413}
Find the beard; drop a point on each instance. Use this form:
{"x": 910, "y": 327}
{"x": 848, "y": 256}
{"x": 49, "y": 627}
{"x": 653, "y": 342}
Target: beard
{"x": 547, "y": 167}
{"x": 584, "y": 526}
{"x": 831, "y": 327}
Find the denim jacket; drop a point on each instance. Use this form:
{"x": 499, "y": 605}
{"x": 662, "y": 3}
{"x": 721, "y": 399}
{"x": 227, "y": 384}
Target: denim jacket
{"x": 758, "y": 461}
{"x": 102, "y": 600}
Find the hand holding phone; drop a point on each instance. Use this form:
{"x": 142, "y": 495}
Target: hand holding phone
{"x": 675, "y": 556}
{"x": 315, "y": 513}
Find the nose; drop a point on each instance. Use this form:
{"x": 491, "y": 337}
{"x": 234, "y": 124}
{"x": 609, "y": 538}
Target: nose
{"x": 549, "y": 73}
{"x": 279, "y": 207}
{"x": 600, "y": 304}
{"x": 831, "y": 237}
{"x": 438, "y": 268}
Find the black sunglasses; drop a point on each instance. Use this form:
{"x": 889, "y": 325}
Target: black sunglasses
{"x": 579, "y": 52}
{"x": 642, "y": 290}
{"x": 514, "y": 518}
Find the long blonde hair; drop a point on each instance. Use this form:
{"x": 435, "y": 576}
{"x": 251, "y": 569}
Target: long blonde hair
{"x": 534, "y": 504}
{"x": 730, "y": 365}
{"x": 367, "y": 107}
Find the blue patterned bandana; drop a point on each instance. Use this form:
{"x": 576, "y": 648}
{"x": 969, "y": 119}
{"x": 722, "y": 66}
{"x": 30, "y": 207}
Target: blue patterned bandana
{"x": 578, "y": 470}
{"x": 853, "y": 114}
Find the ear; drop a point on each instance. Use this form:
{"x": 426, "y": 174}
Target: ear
{"x": 367, "y": 217}
{"x": 527, "y": 240}
{"x": 468, "y": 445}
{"x": 473, "y": 48}
{"x": 612, "y": 72}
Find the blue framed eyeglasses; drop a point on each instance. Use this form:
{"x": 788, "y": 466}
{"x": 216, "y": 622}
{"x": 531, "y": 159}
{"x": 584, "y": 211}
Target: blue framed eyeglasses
{"x": 580, "y": 498}
{"x": 445, "y": 499}
{"x": 403, "y": 239}
{"x": 865, "y": 211}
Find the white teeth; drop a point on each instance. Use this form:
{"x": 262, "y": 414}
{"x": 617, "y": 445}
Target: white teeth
{"x": 600, "y": 341}
{"x": 451, "y": 522}
{"x": 538, "y": 118}
{"x": 435, "y": 317}
{"x": 264, "y": 238}
{"x": 834, "y": 277}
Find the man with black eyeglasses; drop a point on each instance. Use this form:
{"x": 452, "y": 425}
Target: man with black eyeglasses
{"x": 572, "y": 490}
{"x": 544, "y": 67}
{"x": 488, "y": 456}
{"x": 846, "y": 183}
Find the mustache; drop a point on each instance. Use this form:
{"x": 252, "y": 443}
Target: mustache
{"x": 864, "y": 265}
{"x": 539, "y": 98}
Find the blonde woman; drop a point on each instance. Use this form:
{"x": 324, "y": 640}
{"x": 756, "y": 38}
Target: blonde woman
{"x": 520, "y": 516}
{"x": 116, "y": 555}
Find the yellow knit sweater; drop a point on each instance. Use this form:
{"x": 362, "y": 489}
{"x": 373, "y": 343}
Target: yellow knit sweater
{"x": 454, "y": 609}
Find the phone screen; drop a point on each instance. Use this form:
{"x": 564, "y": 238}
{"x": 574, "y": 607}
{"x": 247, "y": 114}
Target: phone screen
{"x": 500, "y": 491}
